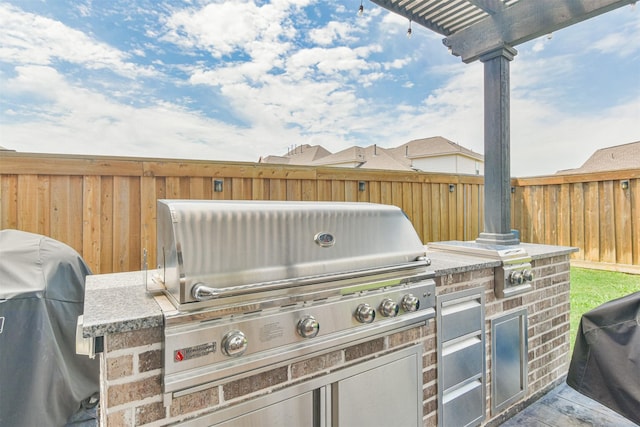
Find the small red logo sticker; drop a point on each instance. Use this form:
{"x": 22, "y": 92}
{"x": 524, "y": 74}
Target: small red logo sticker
{"x": 179, "y": 356}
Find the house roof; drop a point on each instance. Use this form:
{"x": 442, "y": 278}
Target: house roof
{"x": 371, "y": 157}
{"x": 374, "y": 156}
{"x": 618, "y": 157}
{"x": 432, "y": 147}
{"x": 304, "y": 154}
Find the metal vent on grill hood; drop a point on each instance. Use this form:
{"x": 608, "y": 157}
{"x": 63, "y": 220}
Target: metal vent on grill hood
{"x": 235, "y": 243}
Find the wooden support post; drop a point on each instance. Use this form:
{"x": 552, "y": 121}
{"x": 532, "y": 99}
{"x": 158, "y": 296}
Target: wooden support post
{"x": 497, "y": 176}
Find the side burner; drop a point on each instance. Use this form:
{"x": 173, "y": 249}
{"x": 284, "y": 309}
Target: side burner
{"x": 513, "y": 277}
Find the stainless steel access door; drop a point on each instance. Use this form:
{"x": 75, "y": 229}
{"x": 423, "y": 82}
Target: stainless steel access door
{"x": 382, "y": 396}
{"x": 296, "y": 411}
{"x": 508, "y": 359}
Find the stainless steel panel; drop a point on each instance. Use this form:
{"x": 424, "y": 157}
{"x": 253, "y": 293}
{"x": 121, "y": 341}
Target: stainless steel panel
{"x": 461, "y": 318}
{"x": 504, "y": 288}
{"x": 462, "y": 360}
{"x": 465, "y": 406}
{"x": 231, "y": 243}
{"x": 277, "y": 327}
{"x": 390, "y": 395}
{"x": 508, "y": 359}
{"x": 296, "y": 411}
{"x": 272, "y": 336}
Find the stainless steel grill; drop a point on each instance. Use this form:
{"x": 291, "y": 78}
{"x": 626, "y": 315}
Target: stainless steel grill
{"x": 249, "y": 285}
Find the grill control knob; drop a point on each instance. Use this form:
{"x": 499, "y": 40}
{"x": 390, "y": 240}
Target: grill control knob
{"x": 410, "y": 303}
{"x": 527, "y": 275}
{"x": 516, "y": 278}
{"x": 365, "y": 313}
{"x": 389, "y": 308}
{"x": 234, "y": 344}
{"x": 308, "y": 327}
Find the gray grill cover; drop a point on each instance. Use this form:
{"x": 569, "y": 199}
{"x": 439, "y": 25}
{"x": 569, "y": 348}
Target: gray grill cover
{"x": 42, "y": 380}
{"x": 605, "y": 365}
{"x": 233, "y": 243}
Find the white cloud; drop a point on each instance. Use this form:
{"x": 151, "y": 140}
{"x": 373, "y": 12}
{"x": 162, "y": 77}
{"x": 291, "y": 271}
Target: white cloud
{"x": 77, "y": 120}
{"x": 622, "y": 41}
{"x": 333, "y": 32}
{"x": 26, "y": 38}
{"x": 538, "y": 46}
{"x": 223, "y": 28}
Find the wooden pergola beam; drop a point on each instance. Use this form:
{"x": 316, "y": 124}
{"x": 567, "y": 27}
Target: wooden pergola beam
{"x": 523, "y": 21}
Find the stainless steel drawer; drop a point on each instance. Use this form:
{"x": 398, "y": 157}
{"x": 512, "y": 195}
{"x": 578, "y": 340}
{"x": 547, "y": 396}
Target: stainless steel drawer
{"x": 464, "y": 406}
{"x": 461, "y": 318}
{"x": 462, "y": 361}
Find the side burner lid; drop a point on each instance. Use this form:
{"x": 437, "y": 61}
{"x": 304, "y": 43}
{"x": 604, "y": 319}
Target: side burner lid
{"x": 504, "y": 253}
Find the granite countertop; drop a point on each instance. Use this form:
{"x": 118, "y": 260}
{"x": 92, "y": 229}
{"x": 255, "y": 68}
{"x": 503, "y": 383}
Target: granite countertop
{"x": 119, "y": 302}
{"x": 444, "y": 262}
{"x": 537, "y": 251}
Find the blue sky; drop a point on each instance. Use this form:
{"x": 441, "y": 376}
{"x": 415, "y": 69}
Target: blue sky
{"x": 236, "y": 80}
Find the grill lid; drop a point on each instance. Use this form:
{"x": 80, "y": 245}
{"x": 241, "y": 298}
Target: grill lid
{"x": 235, "y": 243}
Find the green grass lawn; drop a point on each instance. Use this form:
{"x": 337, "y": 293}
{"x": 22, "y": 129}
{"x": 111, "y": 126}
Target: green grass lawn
{"x": 591, "y": 288}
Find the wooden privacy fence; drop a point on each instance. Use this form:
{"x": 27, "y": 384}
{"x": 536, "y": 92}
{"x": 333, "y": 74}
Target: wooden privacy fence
{"x": 597, "y": 212}
{"x": 105, "y": 207}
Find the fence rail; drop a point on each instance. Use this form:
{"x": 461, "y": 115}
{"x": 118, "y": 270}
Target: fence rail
{"x": 105, "y": 207}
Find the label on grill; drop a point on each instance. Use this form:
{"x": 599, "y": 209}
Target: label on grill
{"x": 271, "y": 331}
{"x": 194, "y": 352}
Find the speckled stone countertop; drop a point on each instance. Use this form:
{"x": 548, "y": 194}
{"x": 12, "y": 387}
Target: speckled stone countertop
{"x": 546, "y": 251}
{"x": 443, "y": 262}
{"x": 119, "y": 302}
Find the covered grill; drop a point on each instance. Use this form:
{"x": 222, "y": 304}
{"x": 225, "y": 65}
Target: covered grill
{"x": 248, "y": 285}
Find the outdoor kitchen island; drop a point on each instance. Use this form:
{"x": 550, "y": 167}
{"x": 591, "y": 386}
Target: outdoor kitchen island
{"x": 461, "y": 379}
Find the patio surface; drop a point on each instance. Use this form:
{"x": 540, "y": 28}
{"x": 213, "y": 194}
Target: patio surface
{"x": 565, "y": 407}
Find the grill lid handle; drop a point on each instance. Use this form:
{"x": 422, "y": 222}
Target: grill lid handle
{"x": 202, "y": 292}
